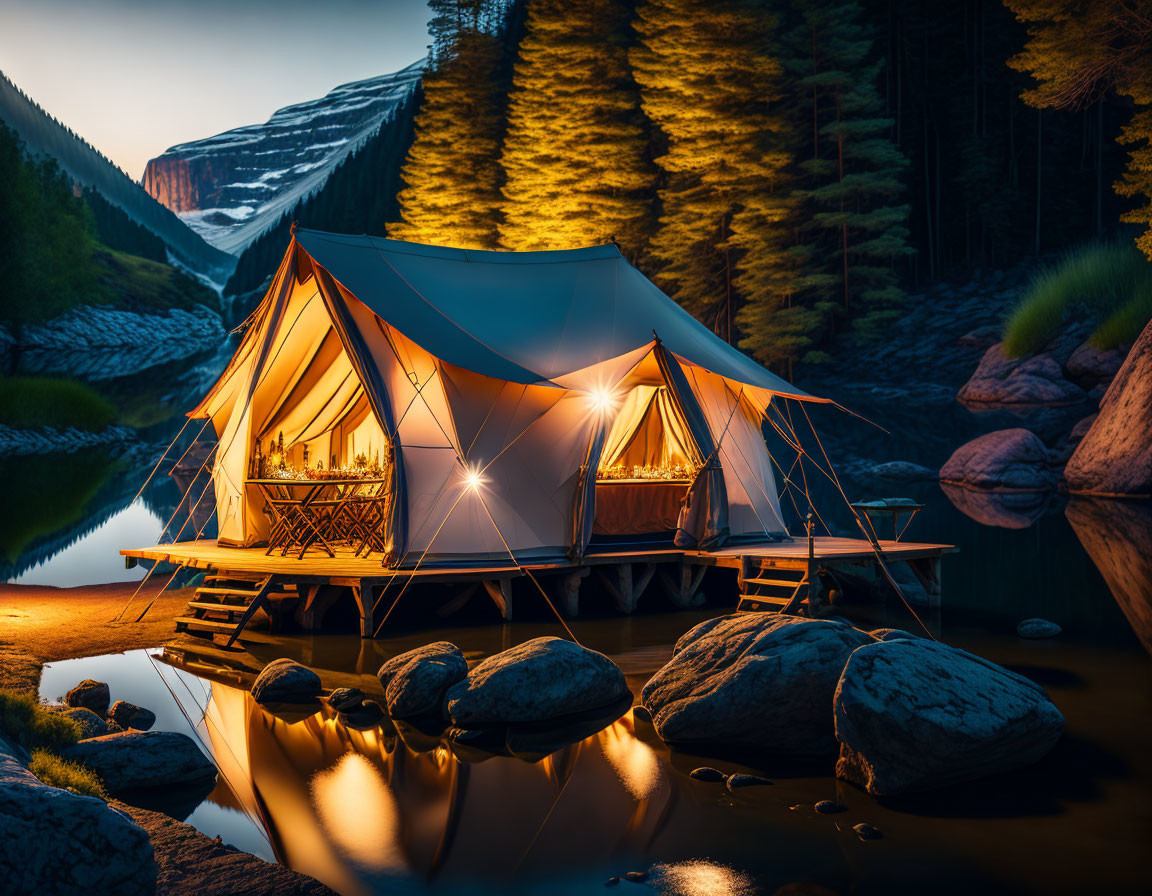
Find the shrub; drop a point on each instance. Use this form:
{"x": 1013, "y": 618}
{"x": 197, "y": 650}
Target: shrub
{"x": 57, "y": 772}
{"x": 44, "y": 401}
{"x": 24, "y": 719}
{"x": 1108, "y": 284}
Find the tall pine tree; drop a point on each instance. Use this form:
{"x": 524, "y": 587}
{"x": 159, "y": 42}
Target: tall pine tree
{"x": 857, "y": 228}
{"x": 1080, "y": 53}
{"x": 576, "y": 155}
{"x": 712, "y": 84}
{"x": 452, "y": 175}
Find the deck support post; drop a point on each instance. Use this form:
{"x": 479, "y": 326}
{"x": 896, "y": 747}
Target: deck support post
{"x": 683, "y": 586}
{"x": 317, "y": 600}
{"x": 365, "y": 596}
{"x": 927, "y": 570}
{"x": 500, "y": 590}
{"x": 568, "y": 590}
{"x": 617, "y": 579}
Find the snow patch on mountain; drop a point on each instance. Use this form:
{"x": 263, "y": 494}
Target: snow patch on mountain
{"x": 232, "y": 187}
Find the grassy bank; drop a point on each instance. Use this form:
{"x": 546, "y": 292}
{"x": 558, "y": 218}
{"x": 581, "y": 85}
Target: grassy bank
{"x": 27, "y": 402}
{"x": 1106, "y": 284}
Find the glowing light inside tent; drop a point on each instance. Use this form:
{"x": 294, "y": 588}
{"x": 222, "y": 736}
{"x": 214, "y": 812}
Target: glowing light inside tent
{"x": 602, "y": 400}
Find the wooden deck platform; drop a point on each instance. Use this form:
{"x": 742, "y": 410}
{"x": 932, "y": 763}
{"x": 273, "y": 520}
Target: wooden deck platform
{"x": 762, "y": 571}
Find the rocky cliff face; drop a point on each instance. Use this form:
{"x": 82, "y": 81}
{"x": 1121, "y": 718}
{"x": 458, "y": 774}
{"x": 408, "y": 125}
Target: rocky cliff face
{"x": 1115, "y": 456}
{"x": 231, "y": 187}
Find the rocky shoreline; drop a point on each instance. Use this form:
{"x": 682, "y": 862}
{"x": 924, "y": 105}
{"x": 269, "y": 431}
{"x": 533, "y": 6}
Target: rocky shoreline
{"x": 1077, "y": 414}
{"x": 95, "y": 342}
{"x": 57, "y": 440}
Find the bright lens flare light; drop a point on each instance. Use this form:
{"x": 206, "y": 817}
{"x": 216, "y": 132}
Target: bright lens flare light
{"x": 602, "y": 400}
{"x": 473, "y": 479}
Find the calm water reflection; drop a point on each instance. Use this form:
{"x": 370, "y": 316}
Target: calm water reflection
{"x": 366, "y": 812}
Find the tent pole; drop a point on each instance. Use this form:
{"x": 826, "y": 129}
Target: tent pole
{"x": 876, "y": 549}
{"x": 187, "y": 420}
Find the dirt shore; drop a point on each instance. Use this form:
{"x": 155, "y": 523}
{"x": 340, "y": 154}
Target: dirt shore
{"x": 39, "y": 624}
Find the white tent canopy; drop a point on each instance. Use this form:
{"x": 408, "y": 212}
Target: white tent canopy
{"x": 494, "y": 385}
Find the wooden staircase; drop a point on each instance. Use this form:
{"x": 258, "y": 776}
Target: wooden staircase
{"x": 773, "y": 586}
{"x": 226, "y": 602}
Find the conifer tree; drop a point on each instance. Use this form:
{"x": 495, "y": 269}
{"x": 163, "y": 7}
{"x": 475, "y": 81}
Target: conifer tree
{"x": 1081, "y": 52}
{"x": 452, "y": 175}
{"x": 856, "y": 226}
{"x": 712, "y": 84}
{"x": 576, "y": 153}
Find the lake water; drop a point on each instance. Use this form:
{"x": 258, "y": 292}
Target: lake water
{"x": 366, "y": 812}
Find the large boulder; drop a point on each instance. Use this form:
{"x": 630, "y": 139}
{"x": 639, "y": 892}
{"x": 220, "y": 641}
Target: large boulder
{"x": 128, "y": 715}
{"x": 90, "y": 694}
{"x": 541, "y": 680}
{"x": 917, "y": 715}
{"x": 1090, "y": 366}
{"x": 415, "y": 682}
{"x": 58, "y": 842}
{"x": 754, "y": 680}
{"x": 91, "y": 725}
{"x": 286, "y": 681}
{"x": 1115, "y": 457}
{"x": 139, "y": 760}
{"x": 1000, "y": 380}
{"x": 1005, "y": 460}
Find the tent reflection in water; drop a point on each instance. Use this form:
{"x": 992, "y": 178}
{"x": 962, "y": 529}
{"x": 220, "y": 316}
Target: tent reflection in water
{"x": 505, "y": 396}
{"x": 357, "y": 808}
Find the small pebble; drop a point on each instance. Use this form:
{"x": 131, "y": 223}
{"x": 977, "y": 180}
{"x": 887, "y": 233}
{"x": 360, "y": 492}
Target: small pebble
{"x": 612, "y": 881}
{"x": 828, "y": 807}
{"x": 867, "y": 832}
{"x": 640, "y": 714}
{"x": 707, "y": 773}
{"x": 736, "y": 781}
{"x": 636, "y": 877}
{"x": 795, "y": 808}
{"x": 1037, "y": 629}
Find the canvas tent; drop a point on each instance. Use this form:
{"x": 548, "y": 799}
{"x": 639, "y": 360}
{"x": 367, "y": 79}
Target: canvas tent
{"x": 494, "y": 385}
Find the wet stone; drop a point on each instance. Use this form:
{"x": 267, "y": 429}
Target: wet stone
{"x": 286, "y": 681}
{"x": 636, "y": 877}
{"x": 128, "y": 715}
{"x": 91, "y": 725}
{"x": 345, "y": 699}
{"x": 640, "y": 714}
{"x": 866, "y": 831}
{"x": 735, "y": 782}
{"x": 707, "y": 773}
{"x": 612, "y": 881}
{"x": 367, "y": 714}
{"x": 1037, "y": 629}
{"x": 829, "y": 807}
{"x": 90, "y": 694}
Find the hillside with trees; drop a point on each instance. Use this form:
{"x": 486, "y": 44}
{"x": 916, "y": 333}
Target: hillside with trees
{"x": 787, "y": 170}
{"x": 58, "y": 252}
{"x": 45, "y": 137}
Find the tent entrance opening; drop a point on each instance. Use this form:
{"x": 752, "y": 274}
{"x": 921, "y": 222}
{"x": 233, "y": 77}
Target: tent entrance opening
{"x": 645, "y": 468}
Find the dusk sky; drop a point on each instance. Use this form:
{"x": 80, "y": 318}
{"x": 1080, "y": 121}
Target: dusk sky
{"x": 134, "y": 77}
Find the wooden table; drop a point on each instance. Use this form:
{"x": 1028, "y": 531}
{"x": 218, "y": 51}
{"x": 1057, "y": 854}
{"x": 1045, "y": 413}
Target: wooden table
{"x": 305, "y": 512}
{"x": 638, "y": 506}
{"x": 896, "y": 507}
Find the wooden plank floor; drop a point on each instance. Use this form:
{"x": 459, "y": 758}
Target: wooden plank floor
{"x": 206, "y": 554}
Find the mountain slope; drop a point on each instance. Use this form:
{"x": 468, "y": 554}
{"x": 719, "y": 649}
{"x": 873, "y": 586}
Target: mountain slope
{"x": 359, "y": 197}
{"x": 44, "y": 136}
{"x": 232, "y": 187}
